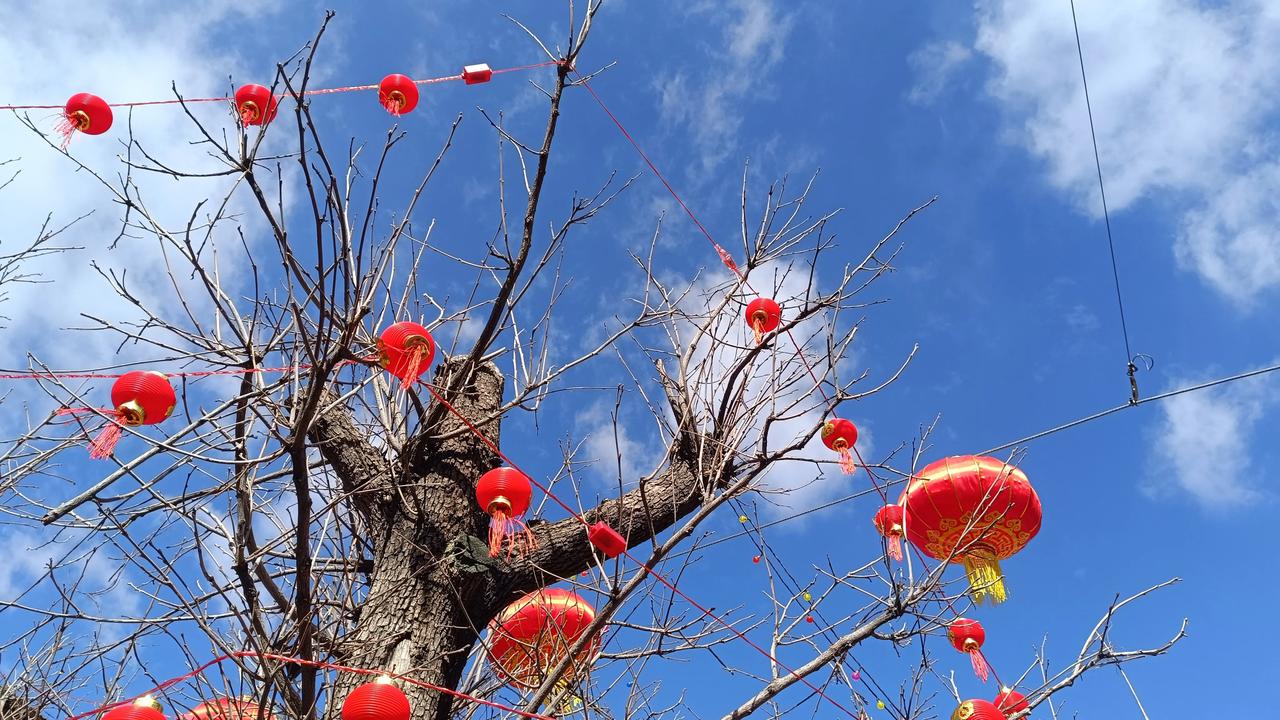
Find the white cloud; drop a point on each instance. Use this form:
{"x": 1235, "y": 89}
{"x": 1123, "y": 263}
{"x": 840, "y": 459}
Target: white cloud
{"x": 935, "y": 65}
{"x": 603, "y": 447}
{"x": 1233, "y": 239}
{"x": 121, "y": 54}
{"x": 706, "y": 103}
{"x": 1183, "y": 94}
{"x": 1202, "y": 444}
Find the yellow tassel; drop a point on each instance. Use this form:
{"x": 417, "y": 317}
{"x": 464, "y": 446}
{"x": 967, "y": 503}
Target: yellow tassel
{"x": 985, "y": 578}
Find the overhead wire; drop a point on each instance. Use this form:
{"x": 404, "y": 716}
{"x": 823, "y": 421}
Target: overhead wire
{"x": 1130, "y": 367}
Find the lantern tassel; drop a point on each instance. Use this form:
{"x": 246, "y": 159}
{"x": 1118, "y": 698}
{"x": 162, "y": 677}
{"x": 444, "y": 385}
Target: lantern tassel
{"x": 571, "y": 702}
{"x": 248, "y": 113}
{"x": 757, "y": 329}
{"x": 104, "y": 444}
{"x": 520, "y": 541}
{"x": 66, "y": 129}
{"x": 980, "y": 666}
{"x": 412, "y": 364}
{"x": 846, "y": 461}
{"x": 894, "y": 547}
{"x": 985, "y": 578}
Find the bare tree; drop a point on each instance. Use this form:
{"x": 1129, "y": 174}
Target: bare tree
{"x": 324, "y": 513}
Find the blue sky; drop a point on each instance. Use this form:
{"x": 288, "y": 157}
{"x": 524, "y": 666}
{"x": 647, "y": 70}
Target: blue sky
{"x": 1005, "y": 282}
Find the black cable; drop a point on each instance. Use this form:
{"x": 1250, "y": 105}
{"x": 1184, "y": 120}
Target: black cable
{"x": 1021, "y": 441}
{"x": 1106, "y": 215}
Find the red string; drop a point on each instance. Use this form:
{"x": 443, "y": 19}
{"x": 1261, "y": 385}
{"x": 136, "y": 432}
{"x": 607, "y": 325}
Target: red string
{"x": 316, "y": 664}
{"x": 318, "y": 91}
{"x": 724, "y": 255}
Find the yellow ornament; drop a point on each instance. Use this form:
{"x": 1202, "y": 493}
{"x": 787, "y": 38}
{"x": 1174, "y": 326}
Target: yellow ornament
{"x": 742, "y": 518}
{"x": 807, "y": 596}
{"x": 879, "y": 704}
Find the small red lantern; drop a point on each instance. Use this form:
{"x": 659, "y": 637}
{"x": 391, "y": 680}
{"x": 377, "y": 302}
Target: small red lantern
{"x": 226, "y": 708}
{"x": 86, "y": 113}
{"x": 532, "y": 635}
{"x": 973, "y": 510}
{"x": 255, "y": 104}
{"x": 977, "y": 710}
{"x": 967, "y": 636}
{"x": 144, "y": 708}
{"x": 377, "y": 700}
{"x": 606, "y": 539}
{"x": 1010, "y": 701}
{"x": 888, "y": 522}
{"x": 479, "y": 73}
{"x": 406, "y": 349}
{"x": 505, "y": 493}
{"x": 841, "y": 435}
{"x": 140, "y": 397}
{"x": 398, "y": 94}
{"x": 763, "y": 316}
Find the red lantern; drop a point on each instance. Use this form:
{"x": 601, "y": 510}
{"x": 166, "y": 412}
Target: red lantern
{"x": 505, "y": 493}
{"x": 255, "y": 104}
{"x": 479, "y": 73}
{"x": 398, "y": 94}
{"x": 377, "y": 700}
{"x": 973, "y": 510}
{"x": 532, "y": 635}
{"x": 841, "y": 435}
{"x": 967, "y": 636}
{"x": 1010, "y": 701}
{"x": 226, "y": 708}
{"x": 763, "y": 316}
{"x": 406, "y": 350}
{"x": 144, "y": 708}
{"x": 140, "y": 397}
{"x": 888, "y": 522}
{"x": 86, "y": 113}
{"x": 606, "y": 539}
{"x": 977, "y": 710}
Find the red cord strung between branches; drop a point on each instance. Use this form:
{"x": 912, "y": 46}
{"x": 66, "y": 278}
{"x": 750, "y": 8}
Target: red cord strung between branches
{"x": 322, "y": 666}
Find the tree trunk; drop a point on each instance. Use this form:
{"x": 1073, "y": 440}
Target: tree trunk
{"x": 433, "y": 587}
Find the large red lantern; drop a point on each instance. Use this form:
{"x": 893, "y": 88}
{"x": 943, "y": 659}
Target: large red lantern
{"x": 1010, "y": 701}
{"x": 973, "y": 510}
{"x": 532, "y": 635}
{"x": 763, "y": 316}
{"x": 140, "y": 397}
{"x": 888, "y": 522}
{"x": 967, "y": 636}
{"x": 377, "y": 700}
{"x": 406, "y": 350}
{"x": 226, "y": 708}
{"x": 86, "y": 113}
{"x": 841, "y": 435}
{"x": 144, "y": 708}
{"x": 398, "y": 94}
{"x": 255, "y": 104}
{"x": 505, "y": 494}
{"x": 977, "y": 710}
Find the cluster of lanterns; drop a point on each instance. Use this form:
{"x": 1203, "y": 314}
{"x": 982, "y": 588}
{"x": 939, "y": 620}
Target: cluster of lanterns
{"x": 975, "y": 511}
{"x": 527, "y": 641}
{"x": 255, "y": 104}
{"x": 971, "y": 510}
